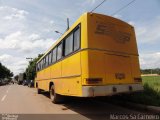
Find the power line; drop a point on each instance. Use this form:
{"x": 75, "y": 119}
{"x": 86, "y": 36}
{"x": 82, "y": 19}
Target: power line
{"x": 98, "y": 6}
{"x": 123, "y": 7}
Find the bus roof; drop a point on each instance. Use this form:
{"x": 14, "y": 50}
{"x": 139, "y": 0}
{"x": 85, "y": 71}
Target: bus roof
{"x": 73, "y": 26}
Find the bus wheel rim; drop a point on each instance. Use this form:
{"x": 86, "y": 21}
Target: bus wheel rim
{"x": 52, "y": 93}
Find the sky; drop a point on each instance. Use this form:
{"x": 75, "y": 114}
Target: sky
{"x": 27, "y": 27}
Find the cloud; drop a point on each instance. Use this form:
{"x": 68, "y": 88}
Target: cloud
{"x": 148, "y": 36}
{"x": 150, "y": 60}
{"x": 131, "y": 23}
{"x": 16, "y": 64}
{"x": 11, "y": 19}
{"x": 87, "y": 3}
{"x": 24, "y": 42}
{"x": 26, "y": 46}
{"x": 9, "y": 13}
{"x": 34, "y": 37}
{"x": 118, "y": 16}
{"x": 16, "y": 15}
{"x": 5, "y": 57}
{"x": 147, "y": 32}
{"x": 20, "y": 38}
{"x": 91, "y": 1}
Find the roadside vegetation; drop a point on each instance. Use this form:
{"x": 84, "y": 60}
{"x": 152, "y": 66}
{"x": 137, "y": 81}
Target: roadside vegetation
{"x": 151, "y": 93}
{"x": 31, "y": 69}
{"x": 152, "y": 81}
{"x": 5, "y": 73}
{"x": 151, "y": 71}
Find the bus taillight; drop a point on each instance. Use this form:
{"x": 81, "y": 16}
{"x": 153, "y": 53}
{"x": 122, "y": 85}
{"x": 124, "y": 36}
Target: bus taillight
{"x": 138, "y": 79}
{"x": 93, "y": 80}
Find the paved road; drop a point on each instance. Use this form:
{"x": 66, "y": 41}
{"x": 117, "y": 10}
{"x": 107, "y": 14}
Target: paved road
{"x": 18, "y": 99}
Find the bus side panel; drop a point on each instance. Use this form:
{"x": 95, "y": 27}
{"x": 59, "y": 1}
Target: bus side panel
{"x": 70, "y": 83}
{"x": 84, "y": 65}
{"x": 55, "y": 70}
{"x": 39, "y": 75}
{"x": 74, "y": 66}
{"x": 68, "y": 86}
{"x": 96, "y": 64}
{"x": 84, "y": 33}
{"x": 71, "y": 66}
{"x": 42, "y": 78}
{"x": 55, "y": 74}
{"x": 39, "y": 79}
{"x": 47, "y": 78}
{"x": 136, "y": 73}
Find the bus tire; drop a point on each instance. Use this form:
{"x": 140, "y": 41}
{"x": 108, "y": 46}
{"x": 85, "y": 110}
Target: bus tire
{"x": 39, "y": 91}
{"x": 55, "y": 98}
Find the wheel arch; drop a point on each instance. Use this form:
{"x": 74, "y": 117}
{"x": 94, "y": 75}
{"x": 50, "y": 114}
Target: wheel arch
{"x": 36, "y": 84}
{"x": 50, "y": 84}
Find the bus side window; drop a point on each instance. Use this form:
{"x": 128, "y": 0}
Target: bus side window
{"x": 54, "y": 55}
{"x": 77, "y": 39}
{"x": 46, "y": 60}
{"x": 68, "y": 45}
{"x": 59, "y": 51}
{"x": 38, "y": 66}
{"x": 41, "y": 64}
{"x": 50, "y": 58}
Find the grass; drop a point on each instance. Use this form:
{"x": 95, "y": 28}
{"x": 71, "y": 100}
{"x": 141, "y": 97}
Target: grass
{"x": 151, "y": 93}
{"x": 152, "y": 81}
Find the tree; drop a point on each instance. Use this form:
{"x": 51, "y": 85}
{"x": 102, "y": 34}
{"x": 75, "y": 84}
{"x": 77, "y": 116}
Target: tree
{"x": 5, "y": 72}
{"x": 151, "y": 71}
{"x": 31, "y": 69}
{"x": 16, "y": 77}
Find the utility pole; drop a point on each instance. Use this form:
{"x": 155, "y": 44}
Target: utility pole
{"x": 67, "y": 24}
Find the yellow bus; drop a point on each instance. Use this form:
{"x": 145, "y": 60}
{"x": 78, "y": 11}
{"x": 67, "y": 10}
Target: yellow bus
{"x": 97, "y": 56}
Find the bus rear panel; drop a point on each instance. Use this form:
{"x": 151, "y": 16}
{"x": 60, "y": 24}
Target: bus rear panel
{"x": 113, "y": 65}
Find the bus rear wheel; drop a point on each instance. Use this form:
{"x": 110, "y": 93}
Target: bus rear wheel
{"x": 39, "y": 91}
{"x": 55, "y": 98}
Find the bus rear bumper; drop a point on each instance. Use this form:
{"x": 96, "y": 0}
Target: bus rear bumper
{"x": 92, "y": 91}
